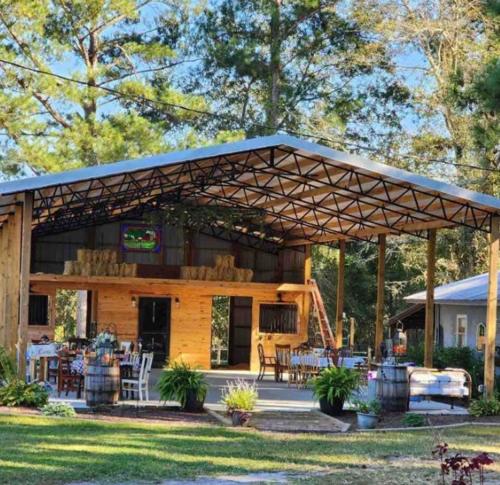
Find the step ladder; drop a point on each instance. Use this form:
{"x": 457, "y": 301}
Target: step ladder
{"x": 320, "y": 312}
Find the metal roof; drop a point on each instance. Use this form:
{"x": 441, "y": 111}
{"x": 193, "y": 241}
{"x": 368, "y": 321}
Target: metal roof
{"x": 308, "y": 192}
{"x": 165, "y": 159}
{"x": 472, "y": 290}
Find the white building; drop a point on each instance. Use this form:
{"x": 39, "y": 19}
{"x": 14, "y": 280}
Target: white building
{"x": 460, "y": 313}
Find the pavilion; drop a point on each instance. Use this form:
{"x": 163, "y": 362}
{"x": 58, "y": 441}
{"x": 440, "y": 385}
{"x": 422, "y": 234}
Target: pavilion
{"x": 307, "y": 194}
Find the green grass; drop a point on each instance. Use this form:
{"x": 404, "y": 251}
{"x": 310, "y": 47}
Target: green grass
{"x": 40, "y": 450}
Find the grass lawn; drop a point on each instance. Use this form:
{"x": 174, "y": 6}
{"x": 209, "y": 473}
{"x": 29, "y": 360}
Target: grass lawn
{"x": 39, "y": 450}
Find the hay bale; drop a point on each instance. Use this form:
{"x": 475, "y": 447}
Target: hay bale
{"x": 69, "y": 268}
{"x": 239, "y": 274}
{"x": 202, "y": 272}
{"x": 81, "y": 255}
{"x": 211, "y": 274}
{"x": 77, "y": 268}
{"x": 248, "y": 275}
{"x": 113, "y": 256}
{"x": 228, "y": 274}
{"x": 86, "y": 269}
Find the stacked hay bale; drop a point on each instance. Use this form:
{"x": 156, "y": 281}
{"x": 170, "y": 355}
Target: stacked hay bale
{"x": 224, "y": 270}
{"x": 95, "y": 262}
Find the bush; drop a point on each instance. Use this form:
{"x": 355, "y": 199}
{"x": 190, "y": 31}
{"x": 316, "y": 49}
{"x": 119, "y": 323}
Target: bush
{"x": 7, "y": 366}
{"x": 179, "y": 381}
{"x": 368, "y": 407}
{"x": 17, "y": 393}
{"x": 485, "y": 407}
{"x": 58, "y": 409}
{"x": 412, "y": 420}
{"x": 240, "y": 395}
{"x": 335, "y": 384}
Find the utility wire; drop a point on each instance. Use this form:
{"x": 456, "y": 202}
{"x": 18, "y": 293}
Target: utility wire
{"x": 155, "y": 102}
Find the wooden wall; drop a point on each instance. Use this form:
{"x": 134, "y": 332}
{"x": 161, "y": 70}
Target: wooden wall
{"x": 191, "y": 313}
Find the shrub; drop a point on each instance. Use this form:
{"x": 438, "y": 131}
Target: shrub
{"x": 7, "y": 366}
{"x": 412, "y": 420}
{"x": 368, "y": 407}
{"x": 17, "y": 393}
{"x": 335, "y": 384}
{"x": 485, "y": 407}
{"x": 62, "y": 409}
{"x": 240, "y": 395}
{"x": 178, "y": 381}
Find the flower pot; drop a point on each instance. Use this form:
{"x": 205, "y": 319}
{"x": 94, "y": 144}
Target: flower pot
{"x": 193, "y": 404}
{"x": 240, "y": 418}
{"x": 332, "y": 409}
{"x": 367, "y": 420}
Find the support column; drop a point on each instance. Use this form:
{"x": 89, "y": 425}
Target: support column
{"x": 340, "y": 296}
{"x": 306, "y": 302}
{"x": 491, "y": 308}
{"x": 379, "y": 313}
{"x": 24, "y": 289}
{"x": 352, "y": 331}
{"x": 429, "y": 302}
{"x": 3, "y": 285}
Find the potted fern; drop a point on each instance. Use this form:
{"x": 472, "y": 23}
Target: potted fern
{"x": 368, "y": 413}
{"x": 333, "y": 387}
{"x": 240, "y": 398}
{"x": 179, "y": 382}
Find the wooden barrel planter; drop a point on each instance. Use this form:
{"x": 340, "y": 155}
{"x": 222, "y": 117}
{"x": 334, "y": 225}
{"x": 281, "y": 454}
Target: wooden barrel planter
{"x": 392, "y": 387}
{"x": 102, "y": 383}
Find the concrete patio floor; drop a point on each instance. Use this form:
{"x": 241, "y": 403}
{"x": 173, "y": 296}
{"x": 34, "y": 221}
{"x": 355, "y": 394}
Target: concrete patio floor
{"x": 273, "y": 396}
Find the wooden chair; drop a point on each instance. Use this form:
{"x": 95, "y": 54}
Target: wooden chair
{"x": 141, "y": 384}
{"x": 309, "y": 367}
{"x": 283, "y": 353}
{"x": 67, "y": 380}
{"x": 265, "y": 363}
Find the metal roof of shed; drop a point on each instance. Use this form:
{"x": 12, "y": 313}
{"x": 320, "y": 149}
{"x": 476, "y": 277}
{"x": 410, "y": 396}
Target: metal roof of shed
{"x": 308, "y": 192}
{"x": 472, "y": 290}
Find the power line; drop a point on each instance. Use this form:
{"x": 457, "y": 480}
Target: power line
{"x": 144, "y": 99}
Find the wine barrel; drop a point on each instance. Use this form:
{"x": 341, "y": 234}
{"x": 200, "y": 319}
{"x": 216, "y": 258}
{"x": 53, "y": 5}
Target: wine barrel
{"x": 392, "y": 387}
{"x": 102, "y": 384}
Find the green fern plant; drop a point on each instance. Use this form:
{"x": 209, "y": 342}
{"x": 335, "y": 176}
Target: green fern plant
{"x": 335, "y": 384}
{"x": 179, "y": 381}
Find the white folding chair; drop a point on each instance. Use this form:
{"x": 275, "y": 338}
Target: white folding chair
{"x": 141, "y": 384}
{"x": 125, "y": 346}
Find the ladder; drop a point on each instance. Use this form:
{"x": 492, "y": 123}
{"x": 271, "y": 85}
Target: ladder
{"x": 320, "y": 312}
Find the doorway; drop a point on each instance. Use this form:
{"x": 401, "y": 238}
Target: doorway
{"x": 240, "y": 331}
{"x": 231, "y": 332}
{"x": 154, "y": 328}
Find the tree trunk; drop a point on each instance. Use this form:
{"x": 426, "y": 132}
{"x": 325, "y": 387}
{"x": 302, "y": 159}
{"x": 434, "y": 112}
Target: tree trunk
{"x": 274, "y": 69}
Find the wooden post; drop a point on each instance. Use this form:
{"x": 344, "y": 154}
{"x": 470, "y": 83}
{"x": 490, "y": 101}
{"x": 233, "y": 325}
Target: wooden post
{"x": 3, "y": 285}
{"x": 339, "y": 323}
{"x": 352, "y": 330}
{"x": 429, "y": 302}
{"x": 379, "y": 314}
{"x": 12, "y": 279}
{"x": 24, "y": 289}
{"x": 307, "y": 277}
{"x": 491, "y": 308}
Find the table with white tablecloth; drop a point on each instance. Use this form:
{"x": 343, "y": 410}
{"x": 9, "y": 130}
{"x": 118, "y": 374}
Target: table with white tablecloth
{"x": 308, "y": 359}
{"x": 36, "y": 352}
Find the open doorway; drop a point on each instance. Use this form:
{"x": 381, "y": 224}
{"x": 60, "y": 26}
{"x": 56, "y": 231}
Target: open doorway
{"x": 220, "y": 331}
{"x": 71, "y": 315}
{"x": 231, "y": 332}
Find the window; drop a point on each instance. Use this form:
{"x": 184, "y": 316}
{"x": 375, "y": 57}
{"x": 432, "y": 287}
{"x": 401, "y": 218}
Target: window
{"x": 461, "y": 331}
{"x": 480, "y": 336}
{"x": 278, "y": 318}
{"x": 38, "y": 313}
